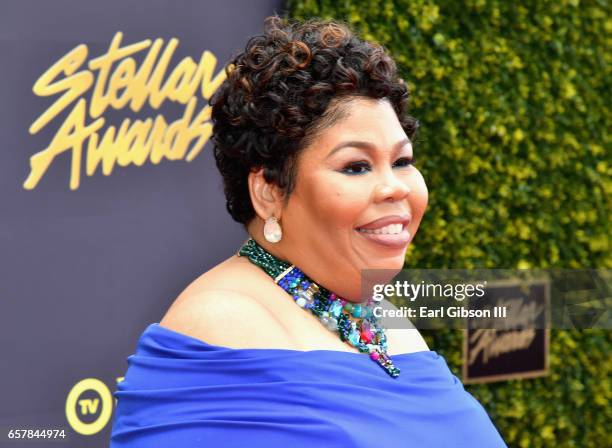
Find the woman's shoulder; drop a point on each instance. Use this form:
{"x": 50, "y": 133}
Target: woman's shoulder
{"x": 402, "y": 335}
{"x": 218, "y": 309}
{"x": 226, "y": 318}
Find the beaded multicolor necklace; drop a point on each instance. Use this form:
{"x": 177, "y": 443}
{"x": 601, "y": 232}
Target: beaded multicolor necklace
{"x": 364, "y": 332}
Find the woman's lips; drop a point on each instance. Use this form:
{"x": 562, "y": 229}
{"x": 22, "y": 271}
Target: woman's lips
{"x": 379, "y": 223}
{"x": 396, "y": 241}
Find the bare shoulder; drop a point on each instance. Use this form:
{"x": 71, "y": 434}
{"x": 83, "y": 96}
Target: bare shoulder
{"x": 226, "y": 318}
{"x": 402, "y": 337}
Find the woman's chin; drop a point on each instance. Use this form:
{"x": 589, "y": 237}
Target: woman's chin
{"x": 382, "y": 272}
{"x": 385, "y": 258}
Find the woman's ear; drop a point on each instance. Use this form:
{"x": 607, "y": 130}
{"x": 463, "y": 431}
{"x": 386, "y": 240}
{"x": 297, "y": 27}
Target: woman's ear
{"x": 265, "y": 197}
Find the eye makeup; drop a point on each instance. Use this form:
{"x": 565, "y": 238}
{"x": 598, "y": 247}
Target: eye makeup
{"x": 362, "y": 166}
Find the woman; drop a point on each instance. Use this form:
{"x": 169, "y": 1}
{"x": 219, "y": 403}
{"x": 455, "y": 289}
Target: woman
{"x": 278, "y": 345}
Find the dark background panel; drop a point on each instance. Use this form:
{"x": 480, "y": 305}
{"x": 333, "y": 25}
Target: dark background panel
{"x": 83, "y": 272}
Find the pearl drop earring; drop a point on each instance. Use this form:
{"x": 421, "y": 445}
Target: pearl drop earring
{"x": 272, "y": 230}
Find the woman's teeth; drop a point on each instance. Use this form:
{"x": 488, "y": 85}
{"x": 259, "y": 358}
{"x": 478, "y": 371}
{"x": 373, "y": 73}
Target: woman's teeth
{"x": 391, "y": 229}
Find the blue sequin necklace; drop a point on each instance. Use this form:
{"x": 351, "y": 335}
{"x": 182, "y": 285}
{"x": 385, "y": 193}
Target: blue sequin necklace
{"x": 355, "y": 323}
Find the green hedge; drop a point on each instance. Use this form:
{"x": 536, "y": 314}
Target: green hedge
{"x": 514, "y": 149}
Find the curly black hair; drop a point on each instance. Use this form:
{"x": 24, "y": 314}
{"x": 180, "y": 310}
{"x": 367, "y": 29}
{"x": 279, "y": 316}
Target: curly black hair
{"x": 278, "y": 95}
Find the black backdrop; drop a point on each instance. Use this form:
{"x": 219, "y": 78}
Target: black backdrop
{"x": 87, "y": 265}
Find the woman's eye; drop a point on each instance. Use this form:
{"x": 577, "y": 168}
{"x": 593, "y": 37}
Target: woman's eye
{"x": 363, "y": 167}
{"x": 404, "y": 161}
{"x": 356, "y": 168}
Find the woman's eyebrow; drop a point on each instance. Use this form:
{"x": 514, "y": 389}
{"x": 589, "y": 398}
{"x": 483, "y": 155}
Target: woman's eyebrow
{"x": 365, "y": 145}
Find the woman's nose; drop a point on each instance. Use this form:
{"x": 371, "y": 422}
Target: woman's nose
{"x": 392, "y": 188}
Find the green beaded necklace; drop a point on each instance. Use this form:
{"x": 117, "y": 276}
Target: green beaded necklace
{"x": 334, "y": 312}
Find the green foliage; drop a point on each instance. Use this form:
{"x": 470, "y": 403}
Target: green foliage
{"x": 571, "y": 407}
{"x": 512, "y": 98}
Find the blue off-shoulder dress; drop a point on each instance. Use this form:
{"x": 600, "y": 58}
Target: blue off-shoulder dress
{"x": 179, "y": 391}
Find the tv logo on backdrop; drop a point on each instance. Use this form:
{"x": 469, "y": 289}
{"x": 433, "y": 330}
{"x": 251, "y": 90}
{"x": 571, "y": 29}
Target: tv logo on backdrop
{"x": 134, "y": 141}
{"x": 89, "y": 406}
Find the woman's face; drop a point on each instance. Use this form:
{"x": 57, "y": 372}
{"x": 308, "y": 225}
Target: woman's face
{"x": 358, "y": 200}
